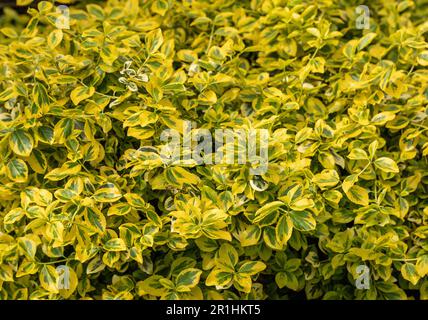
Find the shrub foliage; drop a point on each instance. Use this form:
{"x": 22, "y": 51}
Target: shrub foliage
{"x": 83, "y": 189}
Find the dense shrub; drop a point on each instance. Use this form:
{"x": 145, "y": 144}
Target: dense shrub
{"x": 84, "y": 192}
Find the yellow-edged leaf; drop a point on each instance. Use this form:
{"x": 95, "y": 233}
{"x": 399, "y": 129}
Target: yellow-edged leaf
{"x": 21, "y": 143}
{"x": 358, "y": 195}
{"x": 55, "y": 38}
{"x": 17, "y": 170}
{"x": 386, "y": 164}
{"x": 81, "y": 93}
